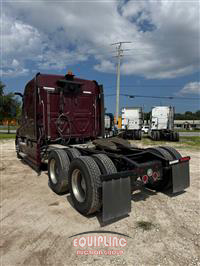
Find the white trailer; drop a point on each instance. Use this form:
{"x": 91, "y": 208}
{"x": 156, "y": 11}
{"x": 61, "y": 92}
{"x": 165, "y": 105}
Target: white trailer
{"x": 132, "y": 121}
{"x": 162, "y": 123}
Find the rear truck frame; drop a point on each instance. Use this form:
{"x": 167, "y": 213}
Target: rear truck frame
{"x": 100, "y": 177}
{"x": 62, "y": 126}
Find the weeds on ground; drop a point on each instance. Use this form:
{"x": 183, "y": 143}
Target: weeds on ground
{"x": 146, "y": 226}
{"x": 185, "y": 142}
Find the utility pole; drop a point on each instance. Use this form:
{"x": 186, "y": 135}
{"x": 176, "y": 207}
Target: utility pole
{"x": 119, "y": 55}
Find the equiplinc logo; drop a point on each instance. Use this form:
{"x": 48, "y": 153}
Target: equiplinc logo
{"x": 101, "y": 243}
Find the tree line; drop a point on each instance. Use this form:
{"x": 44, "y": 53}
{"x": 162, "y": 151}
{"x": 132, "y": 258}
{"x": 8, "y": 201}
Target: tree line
{"x": 178, "y": 116}
{"x": 10, "y": 107}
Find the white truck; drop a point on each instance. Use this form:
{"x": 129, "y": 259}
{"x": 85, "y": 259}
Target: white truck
{"x": 132, "y": 121}
{"x": 162, "y": 124}
{"x": 109, "y": 125}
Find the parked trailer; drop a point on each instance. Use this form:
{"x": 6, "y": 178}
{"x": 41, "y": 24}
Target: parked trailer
{"x": 132, "y": 121}
{"x": 162, "y": 124}
{"x": 59, "y": 115}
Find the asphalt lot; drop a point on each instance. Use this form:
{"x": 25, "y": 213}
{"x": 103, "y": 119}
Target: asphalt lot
{"x": 189, "y": 134}
{"x": 6, "y": 131}
{"x": 36, "y": 223}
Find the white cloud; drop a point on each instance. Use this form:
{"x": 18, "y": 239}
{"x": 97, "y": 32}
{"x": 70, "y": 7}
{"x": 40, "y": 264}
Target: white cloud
{"x": 15, "y": 63}
{"x": 20, "y": 42}
{"x": 105, "y": 64}
{"x": 10, "y": 72}
{"x": 191, "y": 88}
{"x": 165, "y": 36}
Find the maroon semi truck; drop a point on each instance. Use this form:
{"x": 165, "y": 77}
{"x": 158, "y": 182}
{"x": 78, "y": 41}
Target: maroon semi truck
{"x": 62, "y": 125}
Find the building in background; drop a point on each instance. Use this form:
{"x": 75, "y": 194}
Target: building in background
{"x": 187, "y": 124}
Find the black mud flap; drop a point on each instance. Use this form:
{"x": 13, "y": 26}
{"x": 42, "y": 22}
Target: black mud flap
{"x": 116, "y": 198}
{"x": 180, "y": 177}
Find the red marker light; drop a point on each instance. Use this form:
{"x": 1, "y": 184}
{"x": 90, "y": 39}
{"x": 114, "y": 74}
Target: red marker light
{"x": 155, "y": 176}
{"x": 184, "y": 159}
{"x": 145, "y": 179}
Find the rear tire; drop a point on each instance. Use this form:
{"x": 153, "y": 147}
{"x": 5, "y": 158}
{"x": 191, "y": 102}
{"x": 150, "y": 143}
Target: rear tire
{"x": 176, "y": 136}
{"x": 72, "y": 153}
{"x": 139, "y": 135}
{"x": 158, "y": 135}
{"x": 105, "y": 164}
{"x": 171, "y": 136}
{"x": 58, "y": 166}
{"x": 133, "y": 135}
{"x": 85, "y": 185}
{"x": 153, "y": 135}
{"x": 176, "y": 155}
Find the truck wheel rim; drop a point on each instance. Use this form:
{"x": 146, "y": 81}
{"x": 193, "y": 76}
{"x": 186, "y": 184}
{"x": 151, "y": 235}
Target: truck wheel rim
{"x": 53, "y": 171}
{"x": 78, "y": 185}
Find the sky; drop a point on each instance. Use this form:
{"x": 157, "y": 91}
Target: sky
{"x": 163, "y": 58}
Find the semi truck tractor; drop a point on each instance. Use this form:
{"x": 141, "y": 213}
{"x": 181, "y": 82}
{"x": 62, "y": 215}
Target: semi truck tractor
{"x": 62, "y": 129}
{"x": 132, "y": 121}
{"x": 162, "y": 124}
{"x": 109, "y": 125}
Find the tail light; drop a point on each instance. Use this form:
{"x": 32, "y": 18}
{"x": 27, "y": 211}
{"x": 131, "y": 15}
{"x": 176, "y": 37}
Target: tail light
{"x": 181, "y": 160}
{"x": 184, "y": 159}
{"x": 145, "y": 179}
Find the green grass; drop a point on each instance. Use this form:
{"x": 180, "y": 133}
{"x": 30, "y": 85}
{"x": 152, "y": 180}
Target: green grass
{"x": 7, "y": 136}
{"x": 192, "y": 141}
{"x": 185, "y": 142}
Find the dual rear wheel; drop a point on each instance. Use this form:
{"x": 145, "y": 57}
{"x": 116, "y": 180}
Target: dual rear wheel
{"x": 80, "y": 175}
{"x": 137, "y": 134}
{"x": 155, "y": 135}
{"x": 174, "y": 136}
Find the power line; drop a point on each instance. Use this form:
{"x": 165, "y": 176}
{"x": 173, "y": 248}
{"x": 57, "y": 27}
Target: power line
{"x": 149, "y": 86}
{"x": 155, "y": 97}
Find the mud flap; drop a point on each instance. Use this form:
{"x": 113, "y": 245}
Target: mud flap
{"x": 116, "y": 198}
{"x": 180, "y": 177}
